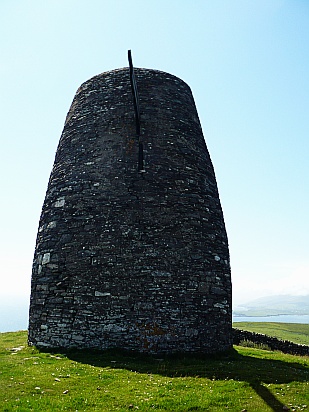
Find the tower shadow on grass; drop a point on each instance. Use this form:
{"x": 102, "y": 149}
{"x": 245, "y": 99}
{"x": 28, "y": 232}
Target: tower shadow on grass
{"x": 243, "y": 368}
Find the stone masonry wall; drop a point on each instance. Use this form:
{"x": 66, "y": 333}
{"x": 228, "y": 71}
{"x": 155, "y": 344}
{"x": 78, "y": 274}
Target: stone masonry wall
{"x": 273, "y": 343}
{"x": 124, "y": 259}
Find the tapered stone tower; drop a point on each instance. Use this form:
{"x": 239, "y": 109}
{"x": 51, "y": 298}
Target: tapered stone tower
{"x": 132, "y": 250}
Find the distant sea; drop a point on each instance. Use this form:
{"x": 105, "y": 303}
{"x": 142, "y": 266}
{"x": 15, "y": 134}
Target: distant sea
{"x": 14, "y": 314}
{"x": 277, "y": 318}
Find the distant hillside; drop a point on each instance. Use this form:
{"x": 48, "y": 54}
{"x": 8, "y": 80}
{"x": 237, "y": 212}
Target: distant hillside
{"x": 293, "y": 332}
{"x": 274, "y": 305}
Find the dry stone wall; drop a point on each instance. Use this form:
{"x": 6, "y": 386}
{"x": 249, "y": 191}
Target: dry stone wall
{"x": 244, "y": 337}
{"x": 125, "y": 259}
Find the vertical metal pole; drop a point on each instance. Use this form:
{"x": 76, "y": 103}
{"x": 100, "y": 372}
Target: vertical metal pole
{"x": 137, "y": 114}
{"x": 135, "y": 94}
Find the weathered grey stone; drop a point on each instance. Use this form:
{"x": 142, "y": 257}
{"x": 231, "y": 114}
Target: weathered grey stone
{"x": 46, "y": 258}
{"x": 125, "y": 259}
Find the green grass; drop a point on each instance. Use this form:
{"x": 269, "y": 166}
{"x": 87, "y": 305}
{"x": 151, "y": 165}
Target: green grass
{"x": 245, "y": 378}
{"x": 295, "y": 332}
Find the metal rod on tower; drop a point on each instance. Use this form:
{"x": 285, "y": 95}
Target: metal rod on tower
{"x": 135, "y": 94}
{"x": 137, "y": 114}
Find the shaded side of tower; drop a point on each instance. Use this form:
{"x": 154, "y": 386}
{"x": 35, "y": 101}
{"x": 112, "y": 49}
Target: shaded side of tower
{"x": 125, "y": 259}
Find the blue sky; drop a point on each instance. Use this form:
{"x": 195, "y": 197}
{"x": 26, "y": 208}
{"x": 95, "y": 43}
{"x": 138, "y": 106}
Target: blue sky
{"x": 247, "y": 63}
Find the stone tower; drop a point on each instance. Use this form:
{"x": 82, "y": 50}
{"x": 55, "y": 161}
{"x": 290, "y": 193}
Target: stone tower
{"x": 132, "y": 250}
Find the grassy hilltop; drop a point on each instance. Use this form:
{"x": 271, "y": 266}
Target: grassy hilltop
{"x": 294, "y": 332}
{"x": 245, "y": 379}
